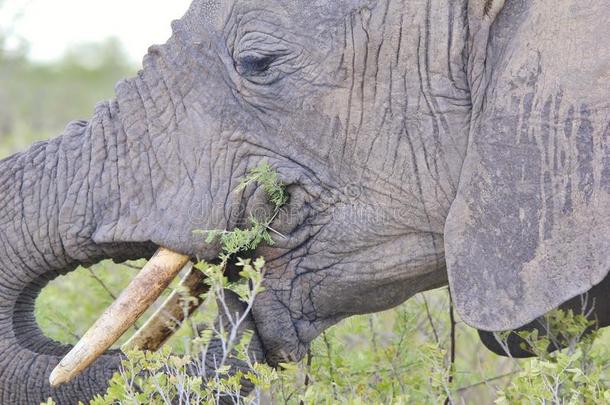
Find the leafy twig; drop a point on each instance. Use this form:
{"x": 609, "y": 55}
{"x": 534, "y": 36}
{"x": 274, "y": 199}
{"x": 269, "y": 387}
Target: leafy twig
{"x": 240, "y": 240}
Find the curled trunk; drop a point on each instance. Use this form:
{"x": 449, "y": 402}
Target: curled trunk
{"x": 53, "y": 212}
{"x": 39, "y": 241}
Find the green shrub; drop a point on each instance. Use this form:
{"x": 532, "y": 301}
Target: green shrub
{"x": 164, "y": 378}
{"x": 574, "y": 375}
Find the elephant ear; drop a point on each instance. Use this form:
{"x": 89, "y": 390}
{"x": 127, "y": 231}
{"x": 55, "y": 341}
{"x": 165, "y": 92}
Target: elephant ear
{"x": 530, "y": 226}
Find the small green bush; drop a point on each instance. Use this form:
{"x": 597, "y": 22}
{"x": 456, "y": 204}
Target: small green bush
{"x": 574, "y": 375}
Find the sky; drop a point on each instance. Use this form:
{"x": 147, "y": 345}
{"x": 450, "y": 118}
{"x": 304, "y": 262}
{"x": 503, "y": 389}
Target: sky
{"x": 51, "y": 26}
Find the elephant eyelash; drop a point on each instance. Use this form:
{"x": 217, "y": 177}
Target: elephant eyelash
{"x": 261, "y": 68}
{"x": 257, "y": 56}
{"x": 255, "y": 64}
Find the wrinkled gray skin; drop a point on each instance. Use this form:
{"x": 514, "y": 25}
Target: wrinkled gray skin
{"x": 422, "y": 141}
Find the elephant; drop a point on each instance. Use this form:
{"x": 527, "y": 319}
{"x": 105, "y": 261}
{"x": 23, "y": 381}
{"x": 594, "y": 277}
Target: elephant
{"x": 423, "y": 143}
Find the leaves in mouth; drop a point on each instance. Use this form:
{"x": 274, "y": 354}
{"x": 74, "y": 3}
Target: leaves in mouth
{"x": 241, "y": 240}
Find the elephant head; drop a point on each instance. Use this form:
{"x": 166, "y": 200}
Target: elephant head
{"x": 420, "y": 142}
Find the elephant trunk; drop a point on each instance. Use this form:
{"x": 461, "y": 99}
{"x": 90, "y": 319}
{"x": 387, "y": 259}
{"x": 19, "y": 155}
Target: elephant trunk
{"x": 61, "y": 207}
{"x": 106, "y": 189}
{"x": 46, "y": 231}
{"x": 28, "y": 356}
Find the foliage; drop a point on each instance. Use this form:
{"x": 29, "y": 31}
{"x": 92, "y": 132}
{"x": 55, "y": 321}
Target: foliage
{"x": 386, "y": 358}
{"x": 240, "y": 240}
{"x": 164, "y": 378}
{"x": 38, "y": 100}
{"x": 268, "y": 180}
{"x": 374, "y": 359}
{"x": 387, "y": 368}
{"x": 574, "y": 375}
{"x": 61, "y": 310}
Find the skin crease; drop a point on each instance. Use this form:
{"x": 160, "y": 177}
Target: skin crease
{"x": 369, "y": 111}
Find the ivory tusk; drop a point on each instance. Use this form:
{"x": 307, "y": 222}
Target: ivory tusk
{"x": 164, "y": 323}
{"x": 139, "y": 295}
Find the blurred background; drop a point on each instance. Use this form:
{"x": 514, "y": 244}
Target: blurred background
{"x": 57, "y": 59}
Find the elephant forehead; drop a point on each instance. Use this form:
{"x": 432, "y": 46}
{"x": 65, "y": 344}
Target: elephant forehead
{"x": 218, "y": 12}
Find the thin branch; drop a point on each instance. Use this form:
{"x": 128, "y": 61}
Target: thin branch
{"x": 64, "y": 327}
{"x": 307, "y": 374}
{"x": 453, "y": 333}
{"x": 331, "y": 369}
{"x": 429, "y": 315}
{"x": 384, "y": 370}
{"x": 102, "y": 284}
{"x": 108, "y": 290}
{"x": 131, "y": 266}
{"x": 487, "y": 381}
{"x": 277, "y": 232}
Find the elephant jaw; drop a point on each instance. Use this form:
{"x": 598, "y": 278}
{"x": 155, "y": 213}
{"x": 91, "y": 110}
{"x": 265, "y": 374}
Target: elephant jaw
{"x": 141, "y": 293}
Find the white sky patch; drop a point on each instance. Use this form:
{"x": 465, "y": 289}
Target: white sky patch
{"x": 51, "y": 26}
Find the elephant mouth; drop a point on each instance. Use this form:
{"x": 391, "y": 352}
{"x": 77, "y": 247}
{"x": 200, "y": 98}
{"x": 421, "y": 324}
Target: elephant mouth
{"x": 147, "y": 287}
{"x": 139, "y": 295}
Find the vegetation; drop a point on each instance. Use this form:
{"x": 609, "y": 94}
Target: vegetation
{"x": 241, "y": 240}
{"x": 38, "y": 100}
{"x": 401, "y": 356}
{"x": 575, "y": 375}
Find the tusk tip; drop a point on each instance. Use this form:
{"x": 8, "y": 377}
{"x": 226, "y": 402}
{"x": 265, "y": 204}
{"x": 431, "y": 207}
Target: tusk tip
{"x": 139, "y": 295}
{"x": 59, "y": 376}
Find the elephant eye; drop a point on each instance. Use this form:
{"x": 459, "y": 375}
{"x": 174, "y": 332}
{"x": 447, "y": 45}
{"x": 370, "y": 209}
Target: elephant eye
{"x": 262, "y": 68}
{"x": 255, "y": 64}
{"x": 263, "y": 59}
